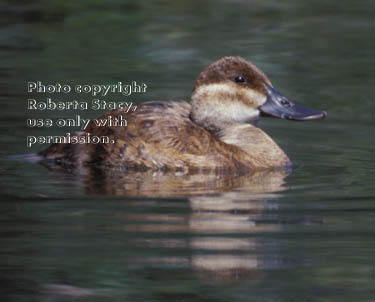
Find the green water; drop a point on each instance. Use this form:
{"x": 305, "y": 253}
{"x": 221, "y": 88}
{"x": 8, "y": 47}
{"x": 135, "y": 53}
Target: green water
{"x": 96, "y": 237}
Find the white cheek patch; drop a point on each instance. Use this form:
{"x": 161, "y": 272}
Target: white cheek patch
{"x": 254, "y": 98}
{"x": 258, "y": 98}
{"x": 222, "y": 101}
{"x": 237, "y": 111}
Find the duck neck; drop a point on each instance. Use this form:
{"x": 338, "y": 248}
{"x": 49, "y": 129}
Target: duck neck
{"x": 259, "y": 147}
{"x": 233, "y": 123}
{"x": 216, "y": 105}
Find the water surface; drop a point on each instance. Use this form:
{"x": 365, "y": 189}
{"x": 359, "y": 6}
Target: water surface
{"x": 306, "y": 236}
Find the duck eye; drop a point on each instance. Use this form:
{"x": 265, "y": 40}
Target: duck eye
{"x": 240, "y": 80}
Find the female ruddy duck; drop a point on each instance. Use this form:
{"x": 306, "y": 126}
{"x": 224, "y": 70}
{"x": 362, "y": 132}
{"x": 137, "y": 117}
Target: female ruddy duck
{"x": 215, "y": 132}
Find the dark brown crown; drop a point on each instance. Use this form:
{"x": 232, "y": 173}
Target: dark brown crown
{"x": 228, "y": 69}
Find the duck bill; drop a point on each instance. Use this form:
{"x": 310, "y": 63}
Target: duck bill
{"x": 279, "y": 106}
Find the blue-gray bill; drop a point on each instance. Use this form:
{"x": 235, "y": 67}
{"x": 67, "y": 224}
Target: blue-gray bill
{"x": 279, "y": 106}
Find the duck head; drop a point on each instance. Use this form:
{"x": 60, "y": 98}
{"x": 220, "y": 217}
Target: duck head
{"x": 232, "y": 90}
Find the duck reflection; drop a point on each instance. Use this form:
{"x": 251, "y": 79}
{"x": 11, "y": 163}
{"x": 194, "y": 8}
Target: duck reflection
{"x": 157, "y": 184}
{"x": 221, "y": 223}
{"x": 215, "y": 234}
{"x": 229, "y": 250}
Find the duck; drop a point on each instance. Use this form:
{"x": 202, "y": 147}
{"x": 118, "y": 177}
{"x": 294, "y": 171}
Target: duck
{"x": 217, "y": 131}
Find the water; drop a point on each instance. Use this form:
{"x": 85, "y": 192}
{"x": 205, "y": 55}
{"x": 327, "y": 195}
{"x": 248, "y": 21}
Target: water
{"x": 306, "y": 236}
